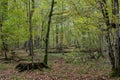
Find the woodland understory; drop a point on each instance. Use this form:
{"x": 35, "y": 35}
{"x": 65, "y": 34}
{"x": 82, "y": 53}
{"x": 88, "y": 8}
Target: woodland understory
{"x": 59, "y": 40}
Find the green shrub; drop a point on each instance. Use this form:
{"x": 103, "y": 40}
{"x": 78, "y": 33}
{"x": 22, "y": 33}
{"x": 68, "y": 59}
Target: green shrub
{"x": 72, "y": 58}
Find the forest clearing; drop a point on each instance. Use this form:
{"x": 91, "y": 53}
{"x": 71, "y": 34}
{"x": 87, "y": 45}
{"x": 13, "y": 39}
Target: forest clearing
{"x": 59, "y": 40}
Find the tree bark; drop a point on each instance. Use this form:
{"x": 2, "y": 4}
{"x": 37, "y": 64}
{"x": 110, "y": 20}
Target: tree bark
{"x": 115, "y": 15}
{"x": 31, "y": 11}
{"x": 47, "y": 35}
{"x": 113, "y": 50}
{"x": 57, "y": 33}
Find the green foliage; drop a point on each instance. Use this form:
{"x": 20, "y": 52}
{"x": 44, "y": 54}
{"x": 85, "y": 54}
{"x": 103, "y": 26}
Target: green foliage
{"x": 69, "y": 17}
{"x": 115, "y": 74}
{"x": 4, "y": 66}
{"x": 73, "y": 57}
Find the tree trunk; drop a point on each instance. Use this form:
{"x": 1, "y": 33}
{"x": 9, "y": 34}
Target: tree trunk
{"x": 61, "y": 37}
{"x": 5, "y": 48}
{"x": 62, "y": 25}
{"x": 115, "y": 15}
{"x": 113, "y": 50}
{"x": 110, "y": 50}
{"x": 47, "y": 35}
{"x": 57, "y": 41}
{"x": 3, "y": 16}
{"x": 100, "y": 52}
{"x": 42, "y": 35}
{"x": 31, "y": 11}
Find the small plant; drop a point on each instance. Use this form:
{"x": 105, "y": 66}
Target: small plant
{"x": 81, "y": 71}
{"x": 115, "y": 74}
{"x": 70, "y": 57}
{"x": 3, "y": 66}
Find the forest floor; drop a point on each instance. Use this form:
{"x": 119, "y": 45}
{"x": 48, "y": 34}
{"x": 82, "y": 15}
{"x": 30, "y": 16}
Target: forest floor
{"x": 70, "y": 66}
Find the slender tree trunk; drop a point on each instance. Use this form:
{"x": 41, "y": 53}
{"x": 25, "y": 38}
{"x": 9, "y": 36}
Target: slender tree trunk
{"x": 53, "y": 39}
{"x": 110, "y": 50}
{"x": 1, "y": 36}
{"x": 47, "y": 35}
{"x": 42, "y": 40}
{"x": 42, "y": 35}
{"x": 1, "y": 27}
{"x": 31, "y": 11}
{"x": 57, "y": 41}
{"x": 61, "y": 37}
{"x": 62, "y": 25}
{"x": 115, "y": 14}
{"x": 100, "y": 51}
{"x": 3, "y": 15}
{"x": 5, "y": 48}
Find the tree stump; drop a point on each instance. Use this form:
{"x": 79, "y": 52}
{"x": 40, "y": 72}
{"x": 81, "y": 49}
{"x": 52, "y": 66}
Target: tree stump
{"x": 30, "y": 66}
